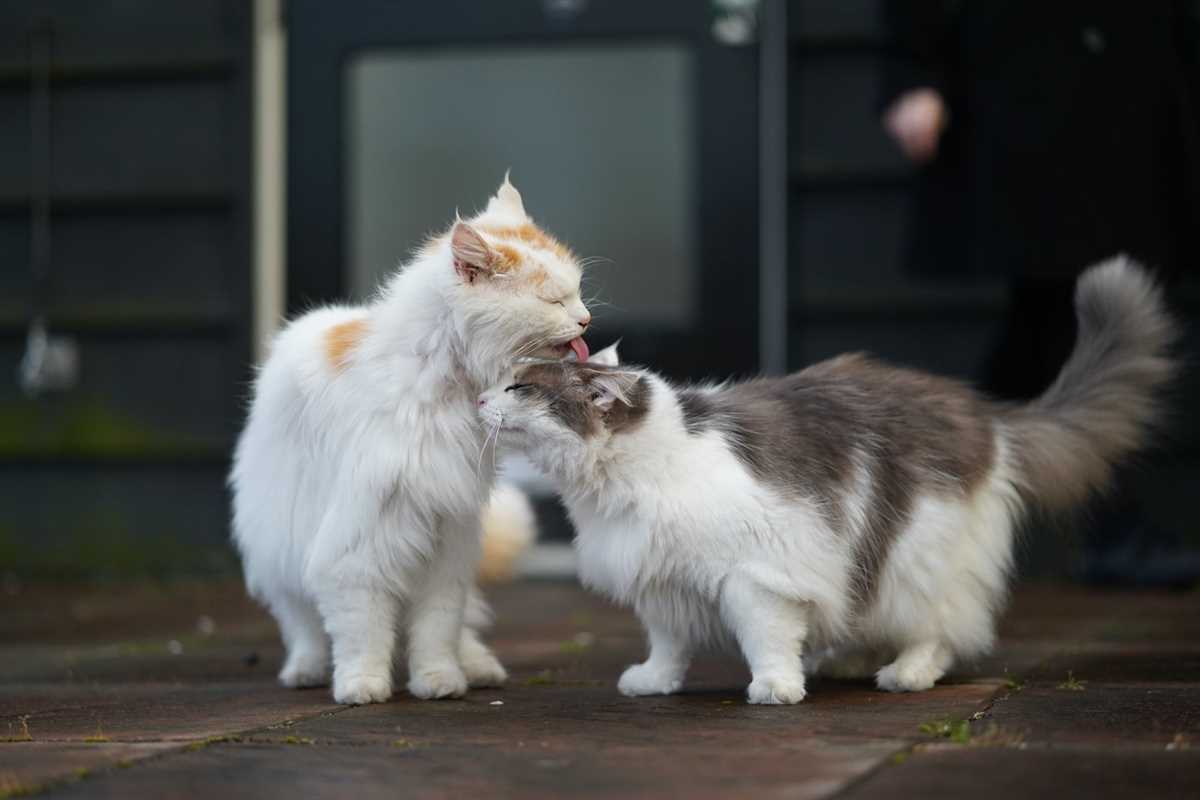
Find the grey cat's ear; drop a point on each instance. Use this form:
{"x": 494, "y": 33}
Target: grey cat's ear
{"x": 472, "y": 255}
{"x": 610, "y": 387}
{"x": 507, "y": 199}
{"x": 606, "y": 357}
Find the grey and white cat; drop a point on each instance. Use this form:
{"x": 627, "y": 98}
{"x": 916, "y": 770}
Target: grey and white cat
{"x": 854, "y": 510}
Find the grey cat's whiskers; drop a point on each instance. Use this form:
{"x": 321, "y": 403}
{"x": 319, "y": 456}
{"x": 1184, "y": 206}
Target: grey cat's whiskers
{"x": 492, "y": 436}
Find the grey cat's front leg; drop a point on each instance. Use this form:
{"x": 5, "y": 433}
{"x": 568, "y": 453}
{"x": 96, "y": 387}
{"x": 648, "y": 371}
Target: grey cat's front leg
{"x": 663, "y": 671}
{"x": 770, "y": 630}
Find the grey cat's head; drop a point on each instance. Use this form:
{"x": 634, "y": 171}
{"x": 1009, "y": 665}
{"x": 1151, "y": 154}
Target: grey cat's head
{"x": 562, "y": 411}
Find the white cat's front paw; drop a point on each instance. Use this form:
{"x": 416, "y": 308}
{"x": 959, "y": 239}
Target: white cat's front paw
{"x": 358, "y": 690}
{"x": 437, "y": 682}
{"x": 303, "y": 672}
{"x": 898, "y": 677}
{"x": 776, "y": 689}
{"x": 483, "y": 670}
{"x": 647, "y": 678}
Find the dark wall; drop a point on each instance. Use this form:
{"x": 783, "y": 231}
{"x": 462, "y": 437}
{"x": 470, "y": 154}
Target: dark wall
{"x": 149, "y": 271}
{"x": 848, "y": 287}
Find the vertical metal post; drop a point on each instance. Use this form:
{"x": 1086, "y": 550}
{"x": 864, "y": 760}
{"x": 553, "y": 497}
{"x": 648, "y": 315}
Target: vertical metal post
{"x": 772, "y": 186}
{"x": 50, "y": 363}
{"x": 270, "y": 160}
{"x": 40, "y": 55}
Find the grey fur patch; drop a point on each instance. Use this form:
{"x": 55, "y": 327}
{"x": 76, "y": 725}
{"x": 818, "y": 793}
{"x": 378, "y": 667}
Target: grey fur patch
{"x": 697, "y": 410}
{"x": 559, "y": 389}
{"x": 624, "y": 417}
{"x": 808, "y": 433}
{"x": 566, "y": 389}
{"x": 1107, "y": 398}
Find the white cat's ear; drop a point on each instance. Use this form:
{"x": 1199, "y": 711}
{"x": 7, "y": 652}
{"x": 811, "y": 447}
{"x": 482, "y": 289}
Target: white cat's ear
{"x": 606, "y": 357}
{"x": 472, "y": 255}
{"x": 507, "y": 199}
{"x": 610, "y": 387}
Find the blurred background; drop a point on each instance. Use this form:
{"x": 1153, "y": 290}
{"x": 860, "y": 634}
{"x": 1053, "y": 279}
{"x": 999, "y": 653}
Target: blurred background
{"x": 767, "y": 184}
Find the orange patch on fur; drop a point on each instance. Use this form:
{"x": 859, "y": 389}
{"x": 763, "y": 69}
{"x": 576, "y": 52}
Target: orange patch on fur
{"x": 533, "y": 236}
{"x": 340, "y": 341}
{"x": 507, "y": 257}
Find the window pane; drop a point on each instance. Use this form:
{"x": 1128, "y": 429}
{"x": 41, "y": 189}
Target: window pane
{"x": 599, "y": 139}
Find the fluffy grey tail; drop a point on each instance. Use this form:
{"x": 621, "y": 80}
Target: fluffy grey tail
{"x": 1106, "y": 400}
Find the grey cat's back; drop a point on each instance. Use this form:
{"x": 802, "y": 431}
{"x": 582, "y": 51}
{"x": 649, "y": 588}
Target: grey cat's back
{"x": 810, "y": 430}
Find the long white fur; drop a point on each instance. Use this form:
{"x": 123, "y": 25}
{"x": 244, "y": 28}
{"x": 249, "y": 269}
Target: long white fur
{"x": 358, "y": 489}
{"x": 707, "y": 554}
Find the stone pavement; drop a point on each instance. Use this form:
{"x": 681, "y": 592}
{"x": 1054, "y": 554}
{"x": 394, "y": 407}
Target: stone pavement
{"x": 168, "y": 691}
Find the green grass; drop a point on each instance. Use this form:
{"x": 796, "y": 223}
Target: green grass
{"x": 1072, "y": 684}
{"x": 957, "y": 731}
{"x": 298, "y": 740}
{"x": 405, "y": 744}
{"x": 11, "y": 787}
{"x": 22, "y": 735}
{"x": 200, "y": 744}
{"x": 543, "y": 678}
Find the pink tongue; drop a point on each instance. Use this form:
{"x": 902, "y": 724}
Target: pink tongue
{"x": 580, "y": 348}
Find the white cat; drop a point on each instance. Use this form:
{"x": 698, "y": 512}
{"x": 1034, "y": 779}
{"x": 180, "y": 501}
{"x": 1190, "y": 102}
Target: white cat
{"x": 360, "y": 476}
{"x": 851, "y": 506}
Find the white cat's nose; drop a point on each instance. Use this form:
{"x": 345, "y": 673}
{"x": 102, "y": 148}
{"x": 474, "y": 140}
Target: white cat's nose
{"x": 482, "y": 401}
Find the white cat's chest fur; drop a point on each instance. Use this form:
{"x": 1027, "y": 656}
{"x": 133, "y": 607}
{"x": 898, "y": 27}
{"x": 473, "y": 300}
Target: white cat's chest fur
{"x": 439, "y": 459}
{"x": 419, "y": 444}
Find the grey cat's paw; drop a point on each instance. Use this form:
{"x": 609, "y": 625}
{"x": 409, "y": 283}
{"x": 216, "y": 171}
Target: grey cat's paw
{"x": 898, "y": 677}
{"x": 645, "y": 679}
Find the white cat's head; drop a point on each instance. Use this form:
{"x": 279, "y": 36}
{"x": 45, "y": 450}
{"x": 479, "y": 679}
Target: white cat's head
{"x": 515, "y": 288}
{"x": 562, "y": 414}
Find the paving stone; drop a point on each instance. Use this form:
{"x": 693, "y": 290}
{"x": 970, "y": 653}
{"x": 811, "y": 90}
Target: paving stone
{"x": 1072, "y": 614}
{"x": 1007, "y": 773}
{"x": 26, "y": 767}
{"x": 1125, "y": 663}
{"x": 600, "y": 714}
{"x": 782, "y": 767}
{"x": 145, "y": 662}
{"x": 84, "y": 614}
{"x": 151, "y": 712}
{"x": 561, "y": 727}
{"x": 1101, "y": 714}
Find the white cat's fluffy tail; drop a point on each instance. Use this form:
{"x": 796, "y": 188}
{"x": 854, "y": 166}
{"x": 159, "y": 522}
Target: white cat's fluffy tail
{"x": 509, "y": 526}
{"x": 1107, "y": 398}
